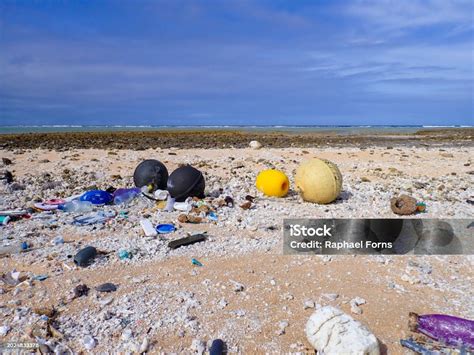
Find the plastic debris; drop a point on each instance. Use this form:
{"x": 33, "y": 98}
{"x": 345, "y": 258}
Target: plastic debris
{"x": 331, "y": 331}
{"x": 414, "y": 346}
{"x": 212, "y": 216}
{"x": 4, "y": 220}
{"x": 446, "y": 329}
{"x": 403, "y": 205}
{"x": 57, "y": 240}
{"x": 421, "y": 207}
{"x": 195, "y": 238}
{"x": 77, "y": 206}
{"x": 196, "y": 262}
{"x": 148, "y": 228}
{"x": 185, "y": 182}
{"x": 273, "y": 183}
{"x": 318, "y": 181}
{"x": 217, "y": 347}
{"x": 24, "y": 246}
{"x": 85, "y": 256}
{"x": 99, "y": 217}
{"x": 151, "y": 173}
{"x": 45, "y": 207}
{"x": 161, "y": 194}
{"x": 165, "y": 228}
{"x": 170, "y": 204}
{"x": 185, "y": 206}
{"x": 89, "y": 342}
{"x": 125, "y": 196}
{"x": 97, "y": 197}
{"x": 124, "y": 254}
{"x": 41, "y": 277}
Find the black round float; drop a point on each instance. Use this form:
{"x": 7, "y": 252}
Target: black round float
{"x": 185, "y": 182}
{"x": 151, "y": 172}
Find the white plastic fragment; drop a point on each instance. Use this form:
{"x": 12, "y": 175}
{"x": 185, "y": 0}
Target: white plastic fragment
{"x": 89, "y": 342}
{"x": 161, "y": 194}
{"x": 148, "y": 228}
{"x": 331, "y": 331}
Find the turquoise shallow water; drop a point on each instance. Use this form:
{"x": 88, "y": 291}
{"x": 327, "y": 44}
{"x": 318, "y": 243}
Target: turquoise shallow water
{"x": 296, "y": 129}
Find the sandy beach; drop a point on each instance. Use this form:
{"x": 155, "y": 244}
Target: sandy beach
{"x": 246, "y": 292}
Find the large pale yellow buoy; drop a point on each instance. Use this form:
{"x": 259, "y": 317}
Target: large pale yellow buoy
{"x": 272, "y": 183}
{"x": 318, "y": 181}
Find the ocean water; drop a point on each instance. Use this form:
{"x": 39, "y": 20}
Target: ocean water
{"x": 296, "y": 129}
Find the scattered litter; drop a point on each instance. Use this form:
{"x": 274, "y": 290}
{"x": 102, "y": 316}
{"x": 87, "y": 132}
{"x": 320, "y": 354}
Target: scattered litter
{"x": 195, "y": 238}
{"x": 161, "y": 194}
{"x": 89, "y": 342}
{"x": 97, "y": 197}
{"x": 148, "y": 228}
{"x": 85, "y": 256}
{"x": 196, "y": 262}
{"x": 414, "y": 346}
{"x": 273, "y": 183}
{"x": 185, "y": 182}
{"x": 152, "y": 173}
{"x": 217, "y": 347}
{"x": 447, "y": 329}
{"x": 125, "y": 196}
{"x": 212, "y": 216}
{"x": 124, "y": 254}
{"x": 184, "y": 206}
{"x": 45, "y": 207}
{"x": 57, "y": 240}
{"x": 318, "y": 181}
{"x": 420, "y": 207}
{"x": 4, "y": 220}
{"x": 41, "y": 277}
{"x": 165, "y": 228}
{"x": 97, "y": 217}
{"x": 77, "y": 206}
{"x": 330, "y": 331}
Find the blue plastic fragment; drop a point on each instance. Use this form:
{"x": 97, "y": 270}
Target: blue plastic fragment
{"x": 40, "y": 277}
{"x": 97, "y": 197}
{"x": 124, "y": 254}
{"x": 412, "y": 345}
{"x": 165, "y": 228}
{"x": 196, "y": 262}
{"x": 212, "y": 216}
{"x": 24, "y": 246}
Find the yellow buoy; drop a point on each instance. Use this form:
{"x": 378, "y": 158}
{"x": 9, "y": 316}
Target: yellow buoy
{"x": 318, "y": 181}
{"x": 273, "y": 183}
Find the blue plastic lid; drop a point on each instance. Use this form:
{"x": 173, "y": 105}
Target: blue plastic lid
{"x": 96, "y": 197}
{"x": 165, "y": 228}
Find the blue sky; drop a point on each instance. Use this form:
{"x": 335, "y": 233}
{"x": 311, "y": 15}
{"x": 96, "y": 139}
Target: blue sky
{"x": 237, "y": 62}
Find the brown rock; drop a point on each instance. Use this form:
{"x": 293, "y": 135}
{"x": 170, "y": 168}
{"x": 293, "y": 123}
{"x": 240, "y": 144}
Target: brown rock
{"x": 403, "y": 205}
{"x": 246, "y": 205}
